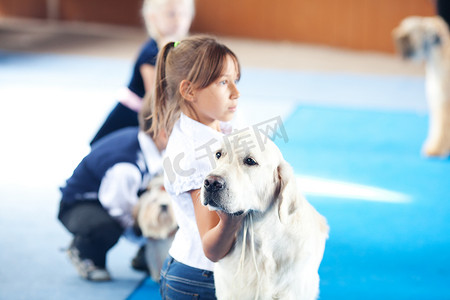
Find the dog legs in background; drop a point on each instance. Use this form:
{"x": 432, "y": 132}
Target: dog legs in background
{"x": 155, "y": 253}
{"x": 427, "y": 39}
{"x": 438, "y": 140}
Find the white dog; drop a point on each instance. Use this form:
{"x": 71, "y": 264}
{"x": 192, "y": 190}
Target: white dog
{"x": 428, "y": 39}
{"x": 157, "y": 222}
{"x": 281, "y": 244}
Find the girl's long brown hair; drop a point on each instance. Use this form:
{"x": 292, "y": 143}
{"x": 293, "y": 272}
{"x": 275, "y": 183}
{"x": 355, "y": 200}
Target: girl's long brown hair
{"x": 199, "y": 60}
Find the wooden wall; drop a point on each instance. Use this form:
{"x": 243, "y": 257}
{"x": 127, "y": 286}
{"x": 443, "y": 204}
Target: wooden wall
{"x": 355, "y": 24}
{"x": 119, "y": 12}
{"x": 23, "y": 8}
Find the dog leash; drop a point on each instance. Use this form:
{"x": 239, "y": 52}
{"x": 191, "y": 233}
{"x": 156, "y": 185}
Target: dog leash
{"x": 247, "y": 220}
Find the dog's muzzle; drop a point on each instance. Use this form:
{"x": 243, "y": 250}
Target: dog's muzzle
{"x": 213, "y": 186}
{"x": 214, "y": 189}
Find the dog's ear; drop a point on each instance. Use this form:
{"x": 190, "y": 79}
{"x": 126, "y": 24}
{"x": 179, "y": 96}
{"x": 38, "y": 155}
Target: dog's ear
{"x": 433, "y": 39}
{"x": 287, "y": 192}
{"x": 437, "y": 31}
{"x": 436, "y": 39}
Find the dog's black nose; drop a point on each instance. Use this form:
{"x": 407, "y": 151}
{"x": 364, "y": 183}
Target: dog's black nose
{"x": 164, "y": 207}
{"x": 214, "y": 183}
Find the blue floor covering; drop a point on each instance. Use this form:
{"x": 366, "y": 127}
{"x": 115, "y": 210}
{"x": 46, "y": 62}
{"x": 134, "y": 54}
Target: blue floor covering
{"x": 376, "y": 250}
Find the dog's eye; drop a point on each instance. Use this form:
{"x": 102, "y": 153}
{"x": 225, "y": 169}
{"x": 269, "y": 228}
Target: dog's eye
{"x": 218, "y": 154}
{"x": 250, "y": 161}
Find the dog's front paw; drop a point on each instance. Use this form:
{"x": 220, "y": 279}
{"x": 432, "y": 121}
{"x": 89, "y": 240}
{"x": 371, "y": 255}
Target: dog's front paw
{"x": 435, "y": 151}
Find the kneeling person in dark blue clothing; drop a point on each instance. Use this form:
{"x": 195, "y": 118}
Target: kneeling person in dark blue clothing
{"x": 98, "y": 199}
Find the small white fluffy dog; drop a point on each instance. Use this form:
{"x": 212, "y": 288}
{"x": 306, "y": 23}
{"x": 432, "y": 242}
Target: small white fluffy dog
{"x": 281, "y": 243}
{"x": 428, "y": 39}
{"x": 157, "y": 222}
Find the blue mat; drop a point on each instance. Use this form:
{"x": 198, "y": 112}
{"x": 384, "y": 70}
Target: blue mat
{"x": 376, "y": 250}
{"x": 148, "y": 289}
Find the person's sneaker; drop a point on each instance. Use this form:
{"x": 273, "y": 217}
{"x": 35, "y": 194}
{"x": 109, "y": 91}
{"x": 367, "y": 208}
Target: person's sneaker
{"x": 139, "y": 263}
{"x": 86, "y": 267}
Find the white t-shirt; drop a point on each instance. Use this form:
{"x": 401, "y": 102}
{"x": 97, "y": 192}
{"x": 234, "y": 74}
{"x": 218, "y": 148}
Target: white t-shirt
{"x": 188, "y": 159}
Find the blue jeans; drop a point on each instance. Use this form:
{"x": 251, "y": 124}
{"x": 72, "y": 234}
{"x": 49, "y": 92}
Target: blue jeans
{"x": 181, "y": 282}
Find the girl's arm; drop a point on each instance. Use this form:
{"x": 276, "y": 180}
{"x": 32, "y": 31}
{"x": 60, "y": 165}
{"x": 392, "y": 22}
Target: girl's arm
{"x": 217, "y": 229}
{"x": 148, "y": 73}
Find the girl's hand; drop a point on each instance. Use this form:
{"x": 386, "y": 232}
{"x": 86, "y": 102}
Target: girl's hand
{"x": 217, "y": 229}
{"x": 234, "y": 222}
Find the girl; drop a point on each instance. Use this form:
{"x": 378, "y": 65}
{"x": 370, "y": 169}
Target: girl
{"x": 165, "y": 20}
{"x": 195, "y": 97}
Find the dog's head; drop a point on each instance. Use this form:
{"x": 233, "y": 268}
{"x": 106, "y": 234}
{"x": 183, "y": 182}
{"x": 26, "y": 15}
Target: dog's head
{"x": 416, "y": 37}
{"x": 250, "y": 175}
{"x": 155, "y": 214}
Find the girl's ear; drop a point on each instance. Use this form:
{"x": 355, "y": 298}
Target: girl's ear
{"x": 186, "y": 90}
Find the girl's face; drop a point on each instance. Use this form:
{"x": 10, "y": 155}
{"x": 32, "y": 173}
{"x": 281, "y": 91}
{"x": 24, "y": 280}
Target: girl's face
{"x": 218, "y": 101}
{"x": 173, "y": 19}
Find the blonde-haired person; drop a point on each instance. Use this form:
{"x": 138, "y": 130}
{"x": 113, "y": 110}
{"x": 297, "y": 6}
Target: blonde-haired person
{"x": 165, "y": 20}
{"x": 194, "y": 100}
